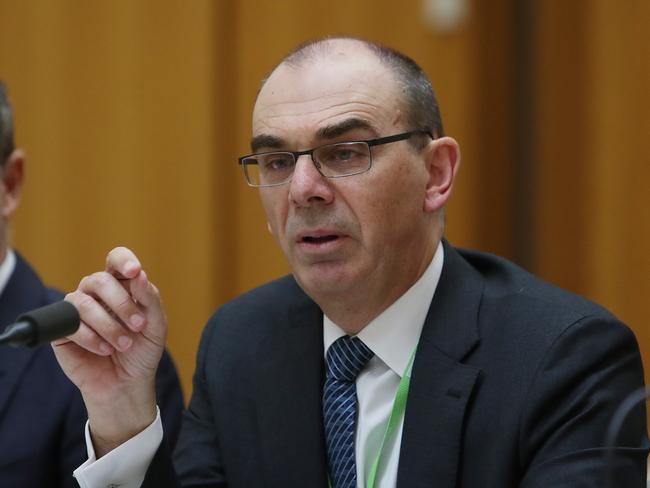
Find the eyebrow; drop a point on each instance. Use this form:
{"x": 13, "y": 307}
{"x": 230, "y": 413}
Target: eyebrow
{"x": 345, "y": 126}
{"x": 266, "y": 140}
{"x": 328, "y": 132}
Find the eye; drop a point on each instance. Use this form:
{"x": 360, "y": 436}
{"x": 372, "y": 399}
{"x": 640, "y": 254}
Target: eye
{"x": 275, "y": 162}
{"x": 343, "y": 153}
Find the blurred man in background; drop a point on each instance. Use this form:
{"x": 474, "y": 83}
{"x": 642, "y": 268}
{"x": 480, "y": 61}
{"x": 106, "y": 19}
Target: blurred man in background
{"x": 42, "y": 414}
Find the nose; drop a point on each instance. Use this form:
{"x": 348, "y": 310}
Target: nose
{"x": 307, "y": 186}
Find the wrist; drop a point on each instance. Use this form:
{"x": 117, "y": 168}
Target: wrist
{"x": 117, "y": 420}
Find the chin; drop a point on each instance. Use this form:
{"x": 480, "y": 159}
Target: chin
{"x": 324, "y": 281}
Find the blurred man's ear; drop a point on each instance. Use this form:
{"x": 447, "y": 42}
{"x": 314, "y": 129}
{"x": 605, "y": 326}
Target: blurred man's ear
{"x": 11, "y": 183}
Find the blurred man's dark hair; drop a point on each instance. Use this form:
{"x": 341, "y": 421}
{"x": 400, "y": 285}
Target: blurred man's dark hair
{"x": 6, "y": 126}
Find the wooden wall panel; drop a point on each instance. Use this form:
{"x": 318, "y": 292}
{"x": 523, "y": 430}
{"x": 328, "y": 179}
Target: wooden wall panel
{"x": 619, "y": 161}
{"x": 115, "y": 105}
{"x": 470, "y": 68}
{"x": 133, "y": 115}
{"x": 594, "y": 119}
{"x": 561, "y": 101}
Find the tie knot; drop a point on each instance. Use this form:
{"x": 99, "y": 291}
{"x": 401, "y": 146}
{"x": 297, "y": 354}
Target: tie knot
{"x": 346, "y": 357}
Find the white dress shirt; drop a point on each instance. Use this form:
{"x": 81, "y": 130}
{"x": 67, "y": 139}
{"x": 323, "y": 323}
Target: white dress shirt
{"x": 126, "y": 465}
{"x": 6, "y": 268}
{"x": 392, "y": 337}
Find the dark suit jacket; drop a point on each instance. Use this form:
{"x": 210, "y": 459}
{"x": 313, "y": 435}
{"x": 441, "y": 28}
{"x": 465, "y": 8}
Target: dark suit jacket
{"x": 513, "y": 385}
{"x": 42, "y": 415}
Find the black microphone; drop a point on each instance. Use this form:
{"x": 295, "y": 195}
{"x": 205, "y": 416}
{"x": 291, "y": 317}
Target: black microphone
{"x": 42, "y": 325}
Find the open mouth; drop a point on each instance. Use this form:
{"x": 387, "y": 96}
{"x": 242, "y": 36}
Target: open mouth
{"x": 319, "y": 239}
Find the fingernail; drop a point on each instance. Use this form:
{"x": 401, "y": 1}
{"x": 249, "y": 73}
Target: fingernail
{"x": 105, "y": 348}
{"x": 137, "y": 321}
{"x": 124, "y": 342}
{"x": 130, "y": 266}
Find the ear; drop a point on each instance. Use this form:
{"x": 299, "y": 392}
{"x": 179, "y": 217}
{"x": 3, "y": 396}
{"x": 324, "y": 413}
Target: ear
{"x": 442, "y": 162}
{"x": 11, "y": 183}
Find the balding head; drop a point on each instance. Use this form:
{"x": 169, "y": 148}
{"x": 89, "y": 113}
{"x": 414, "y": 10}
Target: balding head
{"x": 418, "y": 101}
{"x": 339, "y": 105}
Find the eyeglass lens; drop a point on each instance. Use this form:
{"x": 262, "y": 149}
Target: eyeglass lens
{"x": 333, "y": 160}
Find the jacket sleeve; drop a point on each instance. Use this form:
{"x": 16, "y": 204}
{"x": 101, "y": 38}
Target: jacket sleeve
{"x": 72, "y": 445}
{"x": 169, "y": 396}
{"x": 585, "y": 375}
{"x": 197, "y": 455}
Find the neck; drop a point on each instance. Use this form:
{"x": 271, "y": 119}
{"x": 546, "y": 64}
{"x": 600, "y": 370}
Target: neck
{"x": 353, "y": 312}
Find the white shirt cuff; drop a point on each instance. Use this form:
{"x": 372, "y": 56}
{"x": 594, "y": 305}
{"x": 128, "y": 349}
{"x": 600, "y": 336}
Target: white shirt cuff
{"x": 126, "y": 465}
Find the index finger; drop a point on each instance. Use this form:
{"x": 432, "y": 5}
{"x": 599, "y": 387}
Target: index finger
{"x": 121, "y": 262}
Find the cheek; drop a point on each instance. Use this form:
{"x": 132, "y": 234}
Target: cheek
{"x": 402, "y": 187}
{"x": 395, "y": 205}
{"x": 274, "y": 211}
{"x": 272, "y": 198}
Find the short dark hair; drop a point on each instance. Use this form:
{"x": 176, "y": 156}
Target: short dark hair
{"x": 6, "y": 126}
{"x": 422, "y": 110}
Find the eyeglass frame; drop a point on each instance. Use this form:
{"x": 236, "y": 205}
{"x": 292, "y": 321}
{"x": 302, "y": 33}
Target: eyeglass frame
{"x": 296, "y": 154}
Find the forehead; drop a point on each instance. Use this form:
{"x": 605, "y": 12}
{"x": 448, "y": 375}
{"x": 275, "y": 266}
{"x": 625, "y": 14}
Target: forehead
{"x": 324, "y": 91}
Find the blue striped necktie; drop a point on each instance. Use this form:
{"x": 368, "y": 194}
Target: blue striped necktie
{"x": 345, "y": 359}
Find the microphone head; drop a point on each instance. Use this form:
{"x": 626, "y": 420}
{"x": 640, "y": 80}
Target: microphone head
{"x": 51, "y": 322}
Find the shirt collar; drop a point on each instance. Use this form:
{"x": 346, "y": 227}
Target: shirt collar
{"x": 394, "y": 334}
{"x": 6, "y": 268}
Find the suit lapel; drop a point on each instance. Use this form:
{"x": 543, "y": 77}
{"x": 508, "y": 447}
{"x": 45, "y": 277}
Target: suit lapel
{"x": 441, "y": 386}
{"x": 291, "y": 434}
{"x": 23, "y": 292}
{"x": 289, "y": 396}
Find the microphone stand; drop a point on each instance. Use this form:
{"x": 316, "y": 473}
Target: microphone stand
{"x": 615, "y": 425}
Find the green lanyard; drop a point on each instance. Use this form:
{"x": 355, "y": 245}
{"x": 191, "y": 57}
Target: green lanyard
{"x": 396, "y": 416}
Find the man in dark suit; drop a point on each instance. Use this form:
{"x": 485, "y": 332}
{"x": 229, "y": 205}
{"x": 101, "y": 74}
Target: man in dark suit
{"x": 388, "y": 358}
{"x": 42, "y": 414}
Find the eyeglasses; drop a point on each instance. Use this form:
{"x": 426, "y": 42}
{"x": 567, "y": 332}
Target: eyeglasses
{"x": 332, "y": 160}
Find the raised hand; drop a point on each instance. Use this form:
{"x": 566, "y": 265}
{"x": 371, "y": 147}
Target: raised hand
{"x": 113, "y": 356}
